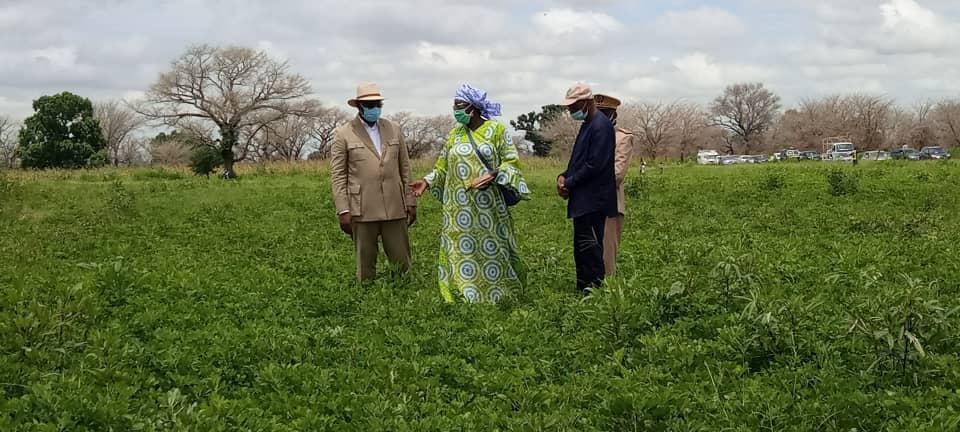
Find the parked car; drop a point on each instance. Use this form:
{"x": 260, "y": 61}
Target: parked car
{"x": 728, "y": 160}
{"x": 787, "y": 154}
{"x": 810, "y": 155}
{"x": 761, "y": 158}
{"x": 934, "y": 152}
{"x": 875, "y": 155}
{"x": 905, "y": 153}
{"x": 707, "y": 157}
{"x": 746, "y": 159}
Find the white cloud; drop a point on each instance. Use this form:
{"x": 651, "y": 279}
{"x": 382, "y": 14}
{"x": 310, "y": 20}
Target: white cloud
{"x": 451, "y": 57}
{"x": 565, "y": 22}
{"x": 700, "y": 70}
{"x": 908, "y": 26}
{"x": 10, "y": 16}
{"x": 131, "y": 47}
{"x": 421, "y": 50}
{"x": 645, "y": 85}
{"x": 703, "y": 26}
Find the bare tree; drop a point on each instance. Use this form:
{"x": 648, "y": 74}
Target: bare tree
{"x": 747, "y": 111}
{"x": 8, "y": 142}
{"x": 947, "y": 117}
{"x": 869, "y": 121}
{"x": 561, "y": 131}
{"x": 656, "y": 125}
{"x": 325, "y": 129}
{"x": 423, "y": 135}
{"x": 238, "y": 90}
{"x": 286, "y": 137}
{"x": 691, "y": 124}
{"x": 898, "y": 128}
{"x": 136, "y": 152}
{"x": 925, "y": 131}
{"x": 865, "y": 118}
{"x": 118, "y": 122}
{"x": 170, "y": 153}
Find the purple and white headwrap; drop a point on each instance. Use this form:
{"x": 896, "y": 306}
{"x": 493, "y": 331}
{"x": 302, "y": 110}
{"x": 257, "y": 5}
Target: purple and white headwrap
{"x": 478, "y": 98}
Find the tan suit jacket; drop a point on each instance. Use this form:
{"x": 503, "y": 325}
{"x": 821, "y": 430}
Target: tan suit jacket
{"x": 622, "y": 164}
{"x": 370, "y": 186}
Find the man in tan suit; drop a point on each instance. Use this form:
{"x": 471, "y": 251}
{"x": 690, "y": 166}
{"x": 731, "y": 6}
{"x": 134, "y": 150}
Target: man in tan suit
{"x": 370, "y": 172}
{"x": 624, "y": 149}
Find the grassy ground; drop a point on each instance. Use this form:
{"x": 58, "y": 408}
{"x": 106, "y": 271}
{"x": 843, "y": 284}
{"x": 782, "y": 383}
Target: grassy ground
{"x": 750, "y": 298}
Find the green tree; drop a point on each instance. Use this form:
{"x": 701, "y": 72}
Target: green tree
{"x": 532, "y": 125}
{"x": 62, "y": 133}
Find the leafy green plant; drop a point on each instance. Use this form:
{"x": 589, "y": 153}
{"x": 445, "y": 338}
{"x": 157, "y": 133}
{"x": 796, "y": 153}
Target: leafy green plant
{"x": 119, "y": 200}
{"x": 8, "y": 186}
{"x": 98, "y": 159}
{"x": 773, "y": 180}
{"x": 903, "y": 323}
{"x": 205, "y": 160}
{"x": 234, "y": 307}
{"x": 637, "y": 186}
{"x": 842, "y": 182}
{"x": 158, "y": 174}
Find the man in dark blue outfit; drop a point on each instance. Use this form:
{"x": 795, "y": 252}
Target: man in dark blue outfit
{"x": 590, "y": 185}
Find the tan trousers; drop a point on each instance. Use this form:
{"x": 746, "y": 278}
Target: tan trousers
{"x": 612, "y": 232}
{"x": 366, "y": 242}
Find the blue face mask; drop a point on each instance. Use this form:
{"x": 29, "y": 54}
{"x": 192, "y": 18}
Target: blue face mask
{"x": 579, "y": 115}
{"x": 371, "y": 114}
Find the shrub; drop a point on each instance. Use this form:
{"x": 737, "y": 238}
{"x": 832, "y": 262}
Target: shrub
{"x": 205, "y": 160}
{"x": 636, "y": 186}
{"x": 842, "y": 182}
{"x": 773, "y": 180}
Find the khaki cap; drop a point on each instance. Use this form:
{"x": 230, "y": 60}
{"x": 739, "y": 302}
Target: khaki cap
{"x": 605, "y": 101}
{"x": 580, "y": 91}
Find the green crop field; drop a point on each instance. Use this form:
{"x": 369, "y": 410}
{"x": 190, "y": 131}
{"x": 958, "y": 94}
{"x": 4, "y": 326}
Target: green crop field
{"x": 787, "y": 297}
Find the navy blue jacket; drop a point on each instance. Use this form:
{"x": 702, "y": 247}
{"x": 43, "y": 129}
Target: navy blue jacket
{"x": 590, "y": 176}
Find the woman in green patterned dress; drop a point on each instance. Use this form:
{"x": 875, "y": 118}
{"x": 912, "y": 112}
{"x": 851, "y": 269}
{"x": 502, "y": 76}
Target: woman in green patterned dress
{"x": 478, "y": 258}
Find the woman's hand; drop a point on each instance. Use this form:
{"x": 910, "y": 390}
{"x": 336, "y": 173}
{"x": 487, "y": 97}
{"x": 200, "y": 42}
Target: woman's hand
{"x": 483, "y": 180}
{"x": 419, "y": 187}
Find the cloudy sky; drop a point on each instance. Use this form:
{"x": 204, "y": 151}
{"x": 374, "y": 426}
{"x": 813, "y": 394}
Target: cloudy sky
{"x": 525, "y": 53}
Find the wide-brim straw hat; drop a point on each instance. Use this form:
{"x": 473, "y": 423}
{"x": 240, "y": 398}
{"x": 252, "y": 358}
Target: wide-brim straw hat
{"x": 366, "y": 92}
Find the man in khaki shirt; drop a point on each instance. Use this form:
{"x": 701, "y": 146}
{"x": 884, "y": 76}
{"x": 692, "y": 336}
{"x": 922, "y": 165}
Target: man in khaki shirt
{"x": 370, "y": 172}
{"x": 624, "y": 149}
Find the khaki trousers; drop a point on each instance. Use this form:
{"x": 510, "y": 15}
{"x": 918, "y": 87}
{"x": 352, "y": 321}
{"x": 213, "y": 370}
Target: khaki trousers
{"x": 613, "y": 230}
{"x": 366, "y": 242}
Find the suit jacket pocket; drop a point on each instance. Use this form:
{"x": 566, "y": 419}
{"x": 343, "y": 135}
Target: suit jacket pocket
{"x": 356, "y": 205}
{"x": 357, "y": 151}
{"x": 392, "y": 150}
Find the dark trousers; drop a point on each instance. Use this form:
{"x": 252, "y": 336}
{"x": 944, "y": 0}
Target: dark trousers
{"x": 588, "y": 249}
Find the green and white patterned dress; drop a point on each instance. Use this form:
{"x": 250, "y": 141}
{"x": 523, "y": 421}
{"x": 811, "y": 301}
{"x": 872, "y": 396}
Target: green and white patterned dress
{"x": 478, "y": 249}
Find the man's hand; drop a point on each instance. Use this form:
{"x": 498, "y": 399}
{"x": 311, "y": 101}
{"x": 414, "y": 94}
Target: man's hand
{"x": 345, "y": 223}
{"x": 419, "y": 187}
{"x": 411, "y": 215}
{"x": 562, "y": 188}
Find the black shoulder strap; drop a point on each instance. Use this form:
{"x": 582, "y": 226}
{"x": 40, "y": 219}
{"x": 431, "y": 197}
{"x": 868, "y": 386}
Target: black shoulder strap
{"x": 477, "y": 149}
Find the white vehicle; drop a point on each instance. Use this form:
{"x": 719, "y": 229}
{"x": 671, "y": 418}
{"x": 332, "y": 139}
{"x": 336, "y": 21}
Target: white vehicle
{"x": 875, "y": 156}
{"x": 787, "y": 154}
{"x": 708, "y": 157}
{"x": 728, "y": 160}
{"x": 746, "y": 159}
{"x": 838, "y": 149}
